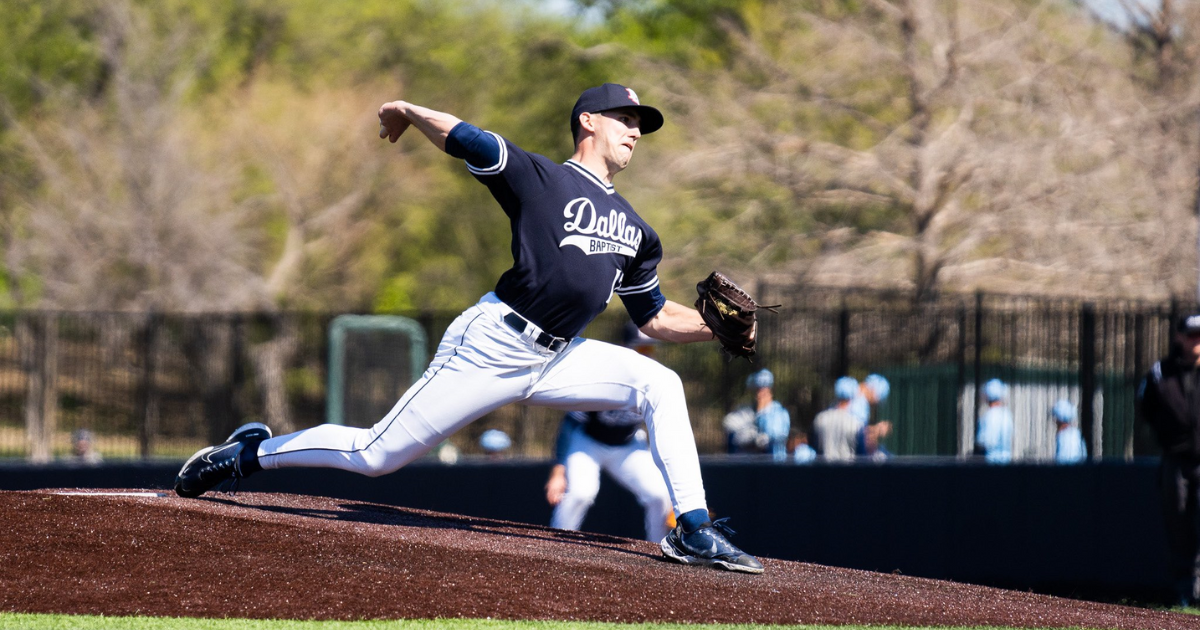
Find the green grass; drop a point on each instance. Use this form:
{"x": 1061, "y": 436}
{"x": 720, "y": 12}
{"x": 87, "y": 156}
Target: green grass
{"x": 15, "y": 621}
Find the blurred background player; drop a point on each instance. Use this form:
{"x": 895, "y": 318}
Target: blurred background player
{"x": 611, "y": 441}
{"x": 495, "y": 442}
{"x": 802, "y": 451}
{"x": 1168, "y": 399}
{"x": 761, "y": 426}
{"x": 1069, "y": 447}
{"x": 871, "y": 392}
{"x": 83, "y": 449}
{"x": 837, "y": 428}
{"x": 994, "y": 437}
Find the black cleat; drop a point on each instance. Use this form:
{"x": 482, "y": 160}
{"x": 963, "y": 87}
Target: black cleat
{"x": 708, "y": 546}
{"x": 214, "y": 464}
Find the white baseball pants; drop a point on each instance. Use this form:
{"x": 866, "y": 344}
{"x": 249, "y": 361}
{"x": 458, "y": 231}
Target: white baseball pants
{"x": 483, "y": 364}
{"x": 631, "y": 465}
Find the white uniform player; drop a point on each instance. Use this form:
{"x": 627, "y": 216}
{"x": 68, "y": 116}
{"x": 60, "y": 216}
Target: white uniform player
{"x": 608, "y": 441}
{"x": 575, "y": 243}
{"x": 613, "y": 442}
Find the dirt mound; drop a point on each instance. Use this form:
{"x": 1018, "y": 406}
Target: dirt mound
{"x": 265, "y": 555}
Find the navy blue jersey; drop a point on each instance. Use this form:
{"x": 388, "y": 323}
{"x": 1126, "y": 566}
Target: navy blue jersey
{"x": 575, "y": 241}
{"x": 612, "y": 428}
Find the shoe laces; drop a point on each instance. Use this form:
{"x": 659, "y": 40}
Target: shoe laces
{"x": 712, "y": 540}
{"x": 222, "y": 468}
{"x": 722, "y": 525}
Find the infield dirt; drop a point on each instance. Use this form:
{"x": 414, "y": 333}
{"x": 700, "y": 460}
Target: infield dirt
{"x": 260, "y": 555}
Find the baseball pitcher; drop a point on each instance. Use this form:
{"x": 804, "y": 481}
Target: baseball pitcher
{"x": 576, "y": 242}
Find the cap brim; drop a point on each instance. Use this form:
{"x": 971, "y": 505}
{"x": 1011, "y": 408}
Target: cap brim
{"x": 649, "y": 118}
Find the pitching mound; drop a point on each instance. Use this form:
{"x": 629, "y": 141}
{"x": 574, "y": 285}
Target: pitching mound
{"x": 284, "y": 556}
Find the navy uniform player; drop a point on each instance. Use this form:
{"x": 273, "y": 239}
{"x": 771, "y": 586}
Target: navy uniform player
{"x": 611, "y": 441}
{"x": 575, "y": 243}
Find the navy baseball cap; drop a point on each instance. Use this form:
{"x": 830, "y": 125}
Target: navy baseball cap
{"x": 613, "y": 96}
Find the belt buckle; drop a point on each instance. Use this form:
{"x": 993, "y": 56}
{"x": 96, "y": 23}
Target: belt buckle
{"x": 548, "y": 341}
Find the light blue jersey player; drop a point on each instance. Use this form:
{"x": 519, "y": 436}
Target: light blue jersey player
{"x": 872, "y": 391}
{"x": 1069, "y": 447}
{"x": 994, "y": 437}
{"x": 576, "y": 242}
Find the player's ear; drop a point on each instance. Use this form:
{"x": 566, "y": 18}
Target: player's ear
{"x": 587, "y": 122}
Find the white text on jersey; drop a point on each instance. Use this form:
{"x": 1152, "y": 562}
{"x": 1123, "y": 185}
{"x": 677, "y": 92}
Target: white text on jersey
{"x": 613, "y": 233}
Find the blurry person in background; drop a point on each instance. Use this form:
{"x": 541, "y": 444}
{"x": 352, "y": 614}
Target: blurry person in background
{"x": 837, "y": 428}
{"x": 1068, "y": 440}
{"x": 1168, "y": 399}
{"x": 761, "y": 426}
{"x": 994, "y": 437}
{"x": 871, "y": 392}
{"x": 83, "y": 448}
{"x": 802, "y": 451}
{"x": 494, "y": 442}
{"x": 591, "y": 442}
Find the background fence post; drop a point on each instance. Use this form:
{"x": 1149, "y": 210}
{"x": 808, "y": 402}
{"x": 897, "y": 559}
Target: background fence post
{"x": 961, "y": 380}
{"x": 237, "y": 400}
{"x": 978, "y": 360}
{"x": 843, "y": 364}
{"x": 1139, "y": 369}
{"x": 1087, "y": 378}
{"x": 146, "y": 405}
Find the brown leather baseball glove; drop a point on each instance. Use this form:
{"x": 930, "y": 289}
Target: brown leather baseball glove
{"x": 730, "y": 314}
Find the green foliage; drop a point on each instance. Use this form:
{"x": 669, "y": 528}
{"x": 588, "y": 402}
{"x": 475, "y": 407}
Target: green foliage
{"x": 43, "y": 44}
{"x": 396, "y": 296}
{"x": 686, "y": 33}
{"x": 244, "y": 34}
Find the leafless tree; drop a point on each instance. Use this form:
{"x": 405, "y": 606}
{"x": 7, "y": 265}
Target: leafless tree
{"x": 1011, "y": 138}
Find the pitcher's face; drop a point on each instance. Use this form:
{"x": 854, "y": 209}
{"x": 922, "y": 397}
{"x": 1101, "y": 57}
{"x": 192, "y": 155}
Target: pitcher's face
{"x": 617, "y": 133}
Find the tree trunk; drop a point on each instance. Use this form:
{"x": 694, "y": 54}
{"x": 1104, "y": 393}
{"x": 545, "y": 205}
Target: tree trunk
{"x": 147, "y": 394}
{"x": 214, "y": 356}
{"x": 37, "y": 337}
{"x": 270, "y": 361}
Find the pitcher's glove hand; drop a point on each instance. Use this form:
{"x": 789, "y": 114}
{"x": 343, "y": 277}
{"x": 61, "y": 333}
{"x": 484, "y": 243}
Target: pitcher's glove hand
{"x": 729, "y": 313}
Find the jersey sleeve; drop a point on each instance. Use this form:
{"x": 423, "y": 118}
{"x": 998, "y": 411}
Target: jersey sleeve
{"x": 638, "y": 288}
{"x": 570, "y": 423}
{"x": 510, "y": 172}
{"x": 775, "y": 421}
{"x": 483, "y": 151}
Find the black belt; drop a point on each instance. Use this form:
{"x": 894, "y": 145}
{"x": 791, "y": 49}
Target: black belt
{"x": 543, "y": 339}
